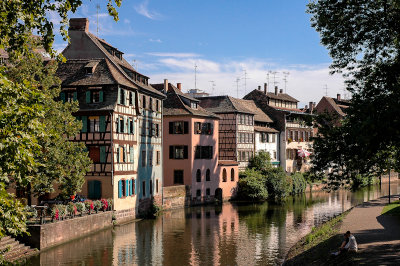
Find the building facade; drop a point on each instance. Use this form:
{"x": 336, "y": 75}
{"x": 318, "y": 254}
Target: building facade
{"x": 110, "y": 93}
{"x": 236, "y": 128}
{"x": 294, "y": 126}
{"x": 191, "y": 148}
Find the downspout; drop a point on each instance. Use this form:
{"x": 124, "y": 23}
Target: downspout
{"x": 112, "y": 149}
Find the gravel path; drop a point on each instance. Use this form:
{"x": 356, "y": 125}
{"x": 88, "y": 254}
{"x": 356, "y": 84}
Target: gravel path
{"x": 378, "y": 236}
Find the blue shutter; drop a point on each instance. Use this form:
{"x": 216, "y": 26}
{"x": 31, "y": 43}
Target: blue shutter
{"x": 75, "y": 95}
{"x": 120, "y": 189}
{"x": 101, "y": 96}
{"x": 103, "y": 154}
{"x": 102, "y": 123}
{"x": 62, "y": 96}
{"x": 88, "y": 96}
{"x": 84, "y": 124}
{"x": 127, "y": 188}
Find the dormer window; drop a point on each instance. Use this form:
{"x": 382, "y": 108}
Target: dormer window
{"x": 91, "y": 67}
{"x": 194, "y": 105}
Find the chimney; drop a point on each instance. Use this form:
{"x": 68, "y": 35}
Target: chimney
{"x": 166, "y": 85}
{"x": 276, "y": 90}
{"x": 306, "y": 107}
{"x": 265, "y": 88}
{"x": 259, "y": 88}
{"x": 281, "y": 91}
{"x": 311, "y": 107}
{"x": 338, "y": 96}
{"x": 179, "y": 86}
{"x": 79, "y": 24}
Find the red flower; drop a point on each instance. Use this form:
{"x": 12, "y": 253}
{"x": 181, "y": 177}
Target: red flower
{"x": 57, "y": 215}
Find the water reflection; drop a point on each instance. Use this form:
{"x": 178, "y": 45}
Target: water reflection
{"x": 231, "y": 234}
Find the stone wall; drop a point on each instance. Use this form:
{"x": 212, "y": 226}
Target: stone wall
{"x": 175, "y": 197}
{"x": 51, "y": 234}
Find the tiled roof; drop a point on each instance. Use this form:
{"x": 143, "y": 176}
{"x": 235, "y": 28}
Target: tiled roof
{"x": 265, "y": 129}
{"x": 280, "y": 96}
{"x": 339, "y": 106}
{"x": 259, "y": 114}
{"x": 223, "y": 104}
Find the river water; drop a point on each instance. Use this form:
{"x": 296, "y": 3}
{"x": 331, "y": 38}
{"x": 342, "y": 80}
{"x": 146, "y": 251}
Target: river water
{"x": 231, "y": 234}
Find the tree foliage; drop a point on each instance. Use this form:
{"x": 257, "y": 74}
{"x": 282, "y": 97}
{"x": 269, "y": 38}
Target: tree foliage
{"x": 363, "y": 40}
{"x": 20, "y": 18}
{"x": 261, "y": 161}
{"x": 251, "y": 185}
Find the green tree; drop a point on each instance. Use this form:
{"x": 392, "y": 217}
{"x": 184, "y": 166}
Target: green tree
{"x": 363, "y": 40}
{"x": 261, "y": 161}
{"x": 251, "y": 185}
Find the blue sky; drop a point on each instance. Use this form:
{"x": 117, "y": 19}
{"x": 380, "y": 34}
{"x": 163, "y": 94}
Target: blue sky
{"x": 165, "y": 39}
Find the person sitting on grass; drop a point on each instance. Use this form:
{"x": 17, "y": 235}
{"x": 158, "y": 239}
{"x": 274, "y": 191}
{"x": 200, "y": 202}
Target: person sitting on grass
{"x": 349, "y": 244}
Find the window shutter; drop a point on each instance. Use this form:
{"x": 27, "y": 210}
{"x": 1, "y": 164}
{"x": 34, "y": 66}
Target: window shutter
{"x": 128, "y": 126}
{"x": 119, "y": 95}
{"x": 120, "y": 189}
{"x": 134, "y": 186}
{"x": 185, "y": 127}
{"x": 125, "y": 126}
{"x": 131, "y": 154}
{"x": 185, "y": 152}
{"x": 127, "y": 188}
{"x": 171, "y": 152}
{"x": 133, "y": 125}
{"x": 84, "y": 123}
{"x": 102, "y": 123}
{"x": 171, "y": 127}
{"x": 88, "y": 96}
{"x": 62, "y": 96}
{"x": 117, "y": 154}
{"x": 75, "y": 95}
{"x": 103, "y": 154}
{"x": 118, "y": 126}
{"x": 101, "y": 96}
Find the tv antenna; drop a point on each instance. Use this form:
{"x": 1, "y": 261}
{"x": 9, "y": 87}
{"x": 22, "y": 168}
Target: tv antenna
{"x": 212, "y": 86}
{"x": 97, "y": 14}
{"x": 274, "y": 76}
{"x": 237, "y": 87}
{"x": 268, "y": 73}
{"x": 326, "y": 89}
{"x": 195, "y": 76}
{"x": 245, "y": 80}
{"x": 285, "y": 75}
{"x": 344, "y": 92}
{"x": 135, "y": 64}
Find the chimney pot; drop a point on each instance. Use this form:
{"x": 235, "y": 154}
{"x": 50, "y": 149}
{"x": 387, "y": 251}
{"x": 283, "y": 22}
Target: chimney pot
{"x": 281, "y": 91}
{"x": 179, "y": 86}
{"x": 265, "y": 88}
{"x": 338, "y": 96}
{"x": 306, "y": 107}
{"x": 276, "y": 90}
{"x": 79, "y": 24}
{"x": 259, "y": 88}
{"x": 166, "y": 85}
{"x": 311, "y": 107}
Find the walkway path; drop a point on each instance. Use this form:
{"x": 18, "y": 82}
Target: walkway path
{"x": 378, "y": 236}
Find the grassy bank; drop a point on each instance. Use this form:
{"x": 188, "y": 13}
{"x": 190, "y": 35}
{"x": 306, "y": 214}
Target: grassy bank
{"x": 316, "y": 247}
{"x": 392, "y": 209}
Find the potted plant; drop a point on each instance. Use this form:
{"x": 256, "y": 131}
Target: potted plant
{"x": 71, "y": 209}
{"x": 104, "y": 205}
{"x": 55, "y": 214}
{"x": 80, "y": 207}
{"x": 89, "y": 206}
{"x": 110, "y": 204}
{"x": 97, "y": 205}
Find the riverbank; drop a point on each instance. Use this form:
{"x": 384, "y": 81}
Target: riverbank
{"x": 378, "y": 238}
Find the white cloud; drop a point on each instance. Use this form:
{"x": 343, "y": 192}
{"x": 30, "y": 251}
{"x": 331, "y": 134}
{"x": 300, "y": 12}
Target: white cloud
{"x": 143, "y": 10}
{"x": 127, "y": 21}
{"x": 155, "y": 40}
{"x": 178, "y": 55}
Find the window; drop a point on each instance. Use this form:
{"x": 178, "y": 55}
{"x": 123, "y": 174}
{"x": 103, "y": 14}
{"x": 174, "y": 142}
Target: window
{"x": 178, "y": 177}
{"x": 232, "y": 174}
{"x": 150, "y": 158}
{"x": 94, "y": 189}
{"x": 95, "y": 96}
{"x": 273, "y": 138}
{"x": 94, "y": 124}
{"x": 224, "y": 175}
{"x": 143, "y": 158}
{"x": 130, "y": 98}
{"x": 158, "y": 157}
{"x": 121, "y": 96}
{"x": 157, "y": 105}
{"x": 131, "y": 126}
{"x": 143, "y": 127}
{"x": 151, "y": 187}
{"x": 144, "y": 188}
{"x": 179, "y": 127}
{"x": 94, "y": 154}
{"x": 121, "y": 124}
{"x": 203, "y": 152}
{"x": 208, "y": 175}
{"x": 274, "y": 155}
{"x": 122, "y": 185}
{"x": 198, "y": 175}
{"x": 121, "y": 154}
{"x": 133, "y": 187}
{"x": 194, "y": 105}
{"x": 203, "y": 128}
{"x": 178, "y": 152}
{"x": 207, "y": 192}
{"x": 157, "y": 186}
{"x": 144, "y": 102}
{"x": 69, "y": 96}
{"x": 198, "y": 193}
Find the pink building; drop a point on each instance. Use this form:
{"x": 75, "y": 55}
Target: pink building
{"x": 190, "y": 135}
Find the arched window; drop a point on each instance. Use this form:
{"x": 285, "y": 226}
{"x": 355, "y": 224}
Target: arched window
{"x": 224, "y": 175}
{"x": 198, "y": 175}
{"x": 208, "y": 175}
{"x": 232, "y": 174}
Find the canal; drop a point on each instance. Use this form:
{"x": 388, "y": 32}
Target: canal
{"x": 231, "y": 234}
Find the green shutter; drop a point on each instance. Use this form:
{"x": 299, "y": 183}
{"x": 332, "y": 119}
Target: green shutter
{"x": 128, "y": 126}
{"x": 131, "y": 154}
{"x": 91, "y": 189}
{"x": 119, "y": 95}
{"x": 102, "y": 123}
{"x": 120, "y": 189}
{"x": 101, "y": 96}
{"x": 75, "y": 95}
{"x": 62, "y": 96}
{"x": 103, "y": 154}
{"x": 125, "y": 126}
{"x": 88, "y": 96}
{"x": 84, "y": 124}
{"x": 127, "y": 188}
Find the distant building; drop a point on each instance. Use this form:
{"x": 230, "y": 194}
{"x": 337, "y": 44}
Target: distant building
{"x": 236, "y": 128}
{"x": 196, "y": 93}
{"x": 293, "y": 124}
{"x": 121, "y": 117}
{"x": 191, "y": 148}
{"x": 336, "y": 105}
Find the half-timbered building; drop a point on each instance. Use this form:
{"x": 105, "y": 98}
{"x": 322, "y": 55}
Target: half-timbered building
{"x": 118, "y": 109}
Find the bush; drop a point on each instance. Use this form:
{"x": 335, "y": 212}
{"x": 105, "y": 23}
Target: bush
{"x": 104, "y": 204}
{"x": 251, "y": 186}
{"x": 110, "y": 204}
{"x": 89, "y": 205}
{"x": 299, "y": 183}
{"x": 81, "y": 208}
{"x": 278, "y": 184}
{"x": 362, "y": 181}
{"x": 97, "y": 205}
{"x": 31, "y": 212}
{"x": 261, "y": 162}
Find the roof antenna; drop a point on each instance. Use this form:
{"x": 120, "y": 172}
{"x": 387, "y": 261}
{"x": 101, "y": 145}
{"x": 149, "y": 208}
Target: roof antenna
{"x": 326, "y": 90}
{"x": 195, "y": 76}
{"x": 97, "y": 12}
{"x": 285, "y": 75}
{"x": 237, "y": 87}
{"x": 245, "y": 80}
{"x": 274, "y": 75}
{"x": 212, "y": 86}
